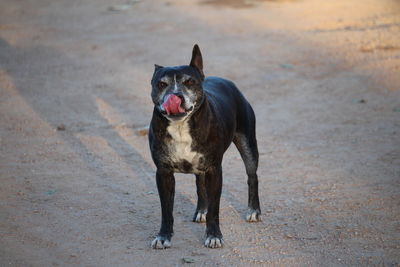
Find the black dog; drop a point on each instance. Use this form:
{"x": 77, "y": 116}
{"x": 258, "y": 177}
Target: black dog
{"x": 195, "y": 119}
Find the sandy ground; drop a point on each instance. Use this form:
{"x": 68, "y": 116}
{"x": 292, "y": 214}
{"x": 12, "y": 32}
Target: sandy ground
{"x": 77, "y": 183}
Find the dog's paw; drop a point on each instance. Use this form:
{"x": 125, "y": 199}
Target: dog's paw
{"x": 200, "y": 216}
{"x": 213, "y": 242}
{"x": 253, "y": 215}
{"x": 161, "y": 242}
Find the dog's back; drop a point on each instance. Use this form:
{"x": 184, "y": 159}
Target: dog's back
{"x": 230, "y": 105}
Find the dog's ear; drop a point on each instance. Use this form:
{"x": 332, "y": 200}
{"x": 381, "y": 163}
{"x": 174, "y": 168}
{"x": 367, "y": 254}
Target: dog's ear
{"x": 157, "y": 67}
{"x": 197, "y": 60}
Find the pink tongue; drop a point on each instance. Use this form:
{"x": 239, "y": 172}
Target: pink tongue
{"x": 172, "y": 105}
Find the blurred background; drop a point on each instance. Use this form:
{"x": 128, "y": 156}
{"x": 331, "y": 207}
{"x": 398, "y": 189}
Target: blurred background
{"x": 77, "y": 182}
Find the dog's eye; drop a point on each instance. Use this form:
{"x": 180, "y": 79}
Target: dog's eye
{"x": 162, "y": 85}
{"x": 189, "y": 82}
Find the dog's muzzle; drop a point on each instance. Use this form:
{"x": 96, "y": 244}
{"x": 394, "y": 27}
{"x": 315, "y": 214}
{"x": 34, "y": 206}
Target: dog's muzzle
{"x": 172, "y": 104}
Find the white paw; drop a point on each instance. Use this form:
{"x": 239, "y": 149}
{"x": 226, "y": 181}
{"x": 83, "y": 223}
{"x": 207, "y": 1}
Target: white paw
{"x": 214, "y": 242}
{"x": 160, "y": 243}
{"x": 253, "y": 216}
{"x": 200, "y": 217}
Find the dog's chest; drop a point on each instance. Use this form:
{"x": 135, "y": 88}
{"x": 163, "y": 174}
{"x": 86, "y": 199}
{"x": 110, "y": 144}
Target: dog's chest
{"x": 180, "y": 153}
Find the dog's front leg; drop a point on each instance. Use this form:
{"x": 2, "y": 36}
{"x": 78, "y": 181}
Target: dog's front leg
{"x": 166, "y": 190}
{"x": 213, "y": 181}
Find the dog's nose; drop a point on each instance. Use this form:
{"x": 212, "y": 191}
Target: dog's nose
{"x": 180, "y": 95}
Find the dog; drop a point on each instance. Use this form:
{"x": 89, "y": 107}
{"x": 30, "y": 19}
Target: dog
{"x": 195, "y": 119}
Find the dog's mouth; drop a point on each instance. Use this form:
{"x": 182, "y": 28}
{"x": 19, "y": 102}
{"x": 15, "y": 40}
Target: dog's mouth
{"x": 173, "y": 108}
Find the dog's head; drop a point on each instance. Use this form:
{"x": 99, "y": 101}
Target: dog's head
{"x": 177, "y": 92}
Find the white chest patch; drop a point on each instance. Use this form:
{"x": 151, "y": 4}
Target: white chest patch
{"x": 180, "y": 147}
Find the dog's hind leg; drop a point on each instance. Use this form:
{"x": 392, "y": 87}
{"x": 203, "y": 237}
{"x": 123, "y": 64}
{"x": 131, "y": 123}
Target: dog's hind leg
{"x": 201, "y": 209}
{"x": 246, "y": 143}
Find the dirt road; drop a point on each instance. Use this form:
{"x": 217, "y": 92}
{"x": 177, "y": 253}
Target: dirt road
{"x": 77, "y": 183}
